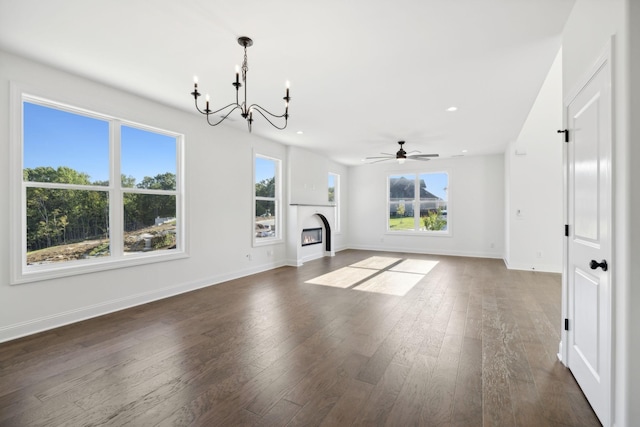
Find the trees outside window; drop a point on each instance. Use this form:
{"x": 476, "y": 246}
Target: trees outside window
{"x": 418, "y": 202}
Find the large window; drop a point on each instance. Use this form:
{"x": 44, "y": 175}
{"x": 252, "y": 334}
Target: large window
{"x": 334, "y": 197}
{"x": 419, "y": 202}
{"x": 95, "y": 192}
{"x": 267, "y": 218}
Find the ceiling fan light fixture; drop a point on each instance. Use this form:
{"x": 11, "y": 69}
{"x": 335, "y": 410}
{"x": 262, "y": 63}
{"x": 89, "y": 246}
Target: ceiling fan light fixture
{"x": 246, "y": 110}
{"x": 401, "y": 160}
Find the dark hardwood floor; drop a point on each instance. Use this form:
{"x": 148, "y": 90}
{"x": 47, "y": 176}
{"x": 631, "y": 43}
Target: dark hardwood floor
{"x": 471, "y": 344}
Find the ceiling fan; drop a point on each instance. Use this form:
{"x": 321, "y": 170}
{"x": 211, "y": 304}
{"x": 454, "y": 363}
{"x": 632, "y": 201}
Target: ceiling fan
{"x": 401, "y": 156}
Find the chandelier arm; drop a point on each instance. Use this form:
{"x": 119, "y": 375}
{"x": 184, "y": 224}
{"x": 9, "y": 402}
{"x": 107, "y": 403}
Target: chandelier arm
{"x": 262, "y": 109}
{"x": 236, "y": 105}
{"x": 259, "y": 110}
{"x": 223, "y": 117}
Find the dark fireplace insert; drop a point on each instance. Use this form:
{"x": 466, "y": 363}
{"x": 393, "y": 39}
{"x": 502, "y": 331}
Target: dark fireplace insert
{"x": 311, "y": 236}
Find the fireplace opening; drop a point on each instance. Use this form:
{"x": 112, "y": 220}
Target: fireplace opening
{"x": 311, "y": 236}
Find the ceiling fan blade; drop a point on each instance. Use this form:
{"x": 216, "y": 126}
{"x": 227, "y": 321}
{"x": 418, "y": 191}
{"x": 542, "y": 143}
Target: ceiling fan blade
{"x": 415, "y": 156}
{"x": 422, "y": 159}
{"x": 380, "y": 157}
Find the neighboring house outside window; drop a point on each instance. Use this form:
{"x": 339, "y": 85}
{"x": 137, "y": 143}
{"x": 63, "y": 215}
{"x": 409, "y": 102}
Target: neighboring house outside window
{"x": 95, "y": 192}
{"x": 267, "y": 206}
{"x": 418, "y": 203}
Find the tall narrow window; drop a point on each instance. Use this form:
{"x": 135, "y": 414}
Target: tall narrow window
{"x": 334, "y": 197}
{"x": 267, "y": 216}
{"x": 419, "y": 202}
{"x": 93, "y": 189}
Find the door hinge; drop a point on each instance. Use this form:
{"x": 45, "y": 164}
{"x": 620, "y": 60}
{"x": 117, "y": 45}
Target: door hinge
{"x": 566, "y": 324}
{"x": 566, "y": 230}
{"x": 566, "y": 134}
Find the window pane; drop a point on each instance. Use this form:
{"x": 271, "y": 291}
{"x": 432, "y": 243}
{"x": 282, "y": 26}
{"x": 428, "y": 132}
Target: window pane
{"x": 64, "y": 147}
{"x": 401, "y": 202}
{"x": 66, "y": 225}
{"x": 149, "y": 222}
{"x": 265, "y": 177}
{"x": 433, "y": 201}
{"x": 265, "y": 225}
{"x": 332, "y": 188}
{"x": 148, "y": 159}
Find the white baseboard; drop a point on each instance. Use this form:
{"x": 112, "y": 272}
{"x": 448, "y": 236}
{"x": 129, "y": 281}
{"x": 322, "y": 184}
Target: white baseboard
{"x": 388, "y": 248}
{"x": 545, "y": 268}
{"x": 33, "y": 326}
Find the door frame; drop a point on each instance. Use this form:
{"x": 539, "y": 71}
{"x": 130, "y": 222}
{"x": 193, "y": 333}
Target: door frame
{"x": 605, "y": 56}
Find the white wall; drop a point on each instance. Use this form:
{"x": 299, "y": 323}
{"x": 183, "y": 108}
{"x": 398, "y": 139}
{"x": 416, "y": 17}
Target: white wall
{"x": 475, "y": 208}
{"x": 533, "y": 166}
{"x": 590, "y": 27}
{"x": 219, "y": 165}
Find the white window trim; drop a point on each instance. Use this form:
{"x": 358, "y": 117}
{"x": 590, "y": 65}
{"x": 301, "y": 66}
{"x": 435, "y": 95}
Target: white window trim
{"x": 414, "y": 232}
{"x": 336, "y": 202}
{"x": 19, "y": 271}
{"x": 278, "y": 238}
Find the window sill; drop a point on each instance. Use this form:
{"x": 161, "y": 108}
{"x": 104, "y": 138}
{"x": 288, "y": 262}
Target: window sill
{"x": 419, "y": 233}
{"x": 74, "y": 268}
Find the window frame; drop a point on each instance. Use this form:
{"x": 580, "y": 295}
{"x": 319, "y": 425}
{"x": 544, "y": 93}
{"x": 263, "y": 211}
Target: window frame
{"x": 277, "y": 199}
{"x": 416, "y": 231}
{"x": 20, "y": 272}
{"x": 336, "y": 199}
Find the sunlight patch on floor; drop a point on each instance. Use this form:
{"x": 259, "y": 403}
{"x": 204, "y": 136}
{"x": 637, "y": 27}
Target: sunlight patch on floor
{"x": 391, "y": 283}
{"x": 420, "y": 266}
{"x": 385, "y": 275}
{"x": 343, "y": 278}
{"x": 376, "y": 262}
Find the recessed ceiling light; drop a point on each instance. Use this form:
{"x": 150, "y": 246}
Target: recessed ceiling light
{"x": 450, "y": 109}
{"x": 464, "y": 151}
{"x": 299, "y": 132}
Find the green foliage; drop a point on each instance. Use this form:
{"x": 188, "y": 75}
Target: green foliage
{"x": 160, "y": 241}
{"x": 100, "y": 249}
{"x": 400, "y": 210}
{"x": 57, "y": 216}
{"x": 434, "y": 221}
{"x": 266, "y": 187}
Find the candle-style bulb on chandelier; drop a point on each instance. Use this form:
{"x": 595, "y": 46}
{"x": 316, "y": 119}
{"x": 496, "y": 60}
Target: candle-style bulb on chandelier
{"x": 246, "y": 110}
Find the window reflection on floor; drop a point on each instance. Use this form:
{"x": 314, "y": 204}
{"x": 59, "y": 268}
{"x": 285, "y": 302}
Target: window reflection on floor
{"x": 386, "y": 275}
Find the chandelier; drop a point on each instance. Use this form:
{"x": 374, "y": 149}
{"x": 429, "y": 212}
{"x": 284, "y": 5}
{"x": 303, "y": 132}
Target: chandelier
{"x": 246, "y": 110}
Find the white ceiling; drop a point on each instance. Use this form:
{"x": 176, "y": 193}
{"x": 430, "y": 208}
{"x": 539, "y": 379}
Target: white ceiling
{"x": 363, "y": 74}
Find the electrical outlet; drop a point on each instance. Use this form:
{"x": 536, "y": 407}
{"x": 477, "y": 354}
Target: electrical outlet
{"x": 539, "y": 254}
{"x": 249, "y": 257}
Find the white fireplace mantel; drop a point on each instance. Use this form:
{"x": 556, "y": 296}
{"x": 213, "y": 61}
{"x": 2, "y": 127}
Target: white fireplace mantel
{"x": 298, "y": 214}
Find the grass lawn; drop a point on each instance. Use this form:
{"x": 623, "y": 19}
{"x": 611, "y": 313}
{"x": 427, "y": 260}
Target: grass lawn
{"x": 405, "y": 223}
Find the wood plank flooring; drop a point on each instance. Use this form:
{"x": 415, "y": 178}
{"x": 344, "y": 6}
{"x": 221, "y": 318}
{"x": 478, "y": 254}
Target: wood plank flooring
{"x": 471, "y": 344}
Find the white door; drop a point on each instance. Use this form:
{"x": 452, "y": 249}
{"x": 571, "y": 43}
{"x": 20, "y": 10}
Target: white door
{"x": 588, "y": 118}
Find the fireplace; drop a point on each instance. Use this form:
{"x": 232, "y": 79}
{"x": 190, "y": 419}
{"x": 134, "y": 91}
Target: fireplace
{"x": 311, "y": 236}
{"x": 312, "y": 223}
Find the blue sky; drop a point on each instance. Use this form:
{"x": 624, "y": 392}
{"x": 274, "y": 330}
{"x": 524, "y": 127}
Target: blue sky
{"x": 58, "y": 138}
{"x": 265, "y": 168}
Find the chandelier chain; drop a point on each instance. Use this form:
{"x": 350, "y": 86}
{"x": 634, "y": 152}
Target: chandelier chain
{"x": 245, "y": 66}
